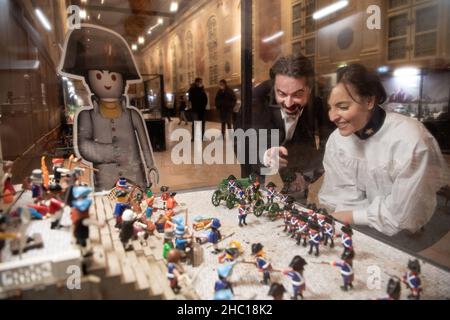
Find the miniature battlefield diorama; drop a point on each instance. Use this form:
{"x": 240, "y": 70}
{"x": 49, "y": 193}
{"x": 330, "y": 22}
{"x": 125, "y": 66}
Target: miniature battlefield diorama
{"x": 239, "y": 241}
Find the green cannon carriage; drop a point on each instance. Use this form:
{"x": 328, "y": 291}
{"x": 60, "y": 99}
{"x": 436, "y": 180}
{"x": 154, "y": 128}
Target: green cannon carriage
{"x": 222, "y": 193}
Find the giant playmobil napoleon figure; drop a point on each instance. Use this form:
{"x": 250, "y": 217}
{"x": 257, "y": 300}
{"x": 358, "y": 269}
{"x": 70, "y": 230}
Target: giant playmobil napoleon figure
{"x": 111, "y": 134}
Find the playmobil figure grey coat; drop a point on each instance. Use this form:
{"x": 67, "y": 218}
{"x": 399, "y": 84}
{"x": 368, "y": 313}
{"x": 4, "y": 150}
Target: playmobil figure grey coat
{"x": 110, "y": 134}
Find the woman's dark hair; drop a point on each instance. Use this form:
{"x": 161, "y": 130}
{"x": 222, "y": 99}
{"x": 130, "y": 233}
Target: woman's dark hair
{"x": 295, "y": 66}
{"x": 366, "y": 83}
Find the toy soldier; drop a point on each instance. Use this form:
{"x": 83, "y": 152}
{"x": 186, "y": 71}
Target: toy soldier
{"x": 223, "y": 286}
{"x": 346, "y": 266}
{"x": 302, "y": 230}
{"x": 346, "y": 237}
{"x": 174, "y": 269}
{"x": 314, "y": 238}
{"x": 412, "y": 280}
{"x": 231, "y": 253}
{"x": 261, "y": 262}
{"x": 328, "y": 231}
{"x": 242, "y": 213}
{"x": 295, "y": 272}
{"x": 271, "y": 192}
{"x": 231, "y": 186}
{"x": 214, "y": 235}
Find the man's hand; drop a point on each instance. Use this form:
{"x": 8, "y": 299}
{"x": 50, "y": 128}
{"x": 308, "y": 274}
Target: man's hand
{"x": 276, "y": 157}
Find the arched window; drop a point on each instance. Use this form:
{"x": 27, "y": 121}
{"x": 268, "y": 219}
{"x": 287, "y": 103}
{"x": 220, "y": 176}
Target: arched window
{"x": 189, "y": 57}
{"x": 211, "y": 26}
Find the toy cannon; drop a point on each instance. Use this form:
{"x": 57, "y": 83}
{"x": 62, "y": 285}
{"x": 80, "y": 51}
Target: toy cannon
{"x": 223, "y": 194}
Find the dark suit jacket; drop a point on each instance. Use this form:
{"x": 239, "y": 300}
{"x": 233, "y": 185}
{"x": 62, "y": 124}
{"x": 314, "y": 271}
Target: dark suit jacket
{"x": 303, "y": 156}
{"x": 198, "y": 98}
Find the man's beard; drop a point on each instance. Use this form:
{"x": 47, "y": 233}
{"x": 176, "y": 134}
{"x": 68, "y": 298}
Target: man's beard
{"x": 293, "y": 110}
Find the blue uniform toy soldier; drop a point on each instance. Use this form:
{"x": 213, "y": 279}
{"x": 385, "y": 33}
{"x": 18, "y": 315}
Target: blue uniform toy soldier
{"x": 261, "y": 262}
{"x": 37, "y": 189}
{"x": 346, "y": 266}
{"x": 242, "y": 213}
{"x": 80, "y": 215}
{"x": 346, "y": 237}
{"x": 314, "y": 237}
{"x": 223, "y": 289}
{"x": 296, "y": 274}
{"x": 121, "y": 192}
{"x": 271, "y": 191}
{"x": 214, "y": 236}
{"x": 412, "y": 280}
{"x": 181, "y": 241}
{"x": 328, "y": 231}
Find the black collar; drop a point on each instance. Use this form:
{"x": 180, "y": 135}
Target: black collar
{"x": 374, "y": 125}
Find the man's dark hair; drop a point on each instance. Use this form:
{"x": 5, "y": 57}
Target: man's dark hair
{"x": 295, "y": 66}
{"x": 198, "y": 80}
{"x": 223, "y": 81}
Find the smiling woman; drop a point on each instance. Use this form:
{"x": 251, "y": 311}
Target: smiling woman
{"x": 381, "y": 169}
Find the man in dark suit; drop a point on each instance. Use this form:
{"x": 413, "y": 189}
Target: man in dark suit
{"x": 199, "y": 101}
{"x": 285, "y": 103}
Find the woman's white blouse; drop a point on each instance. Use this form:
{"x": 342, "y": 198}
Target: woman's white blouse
{"x": 389, "y": 180}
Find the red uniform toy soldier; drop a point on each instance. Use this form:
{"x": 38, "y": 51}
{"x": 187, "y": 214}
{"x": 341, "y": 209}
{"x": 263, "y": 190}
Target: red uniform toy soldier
{"x": 302, "y": 230}
{"x": 294, "y": 221}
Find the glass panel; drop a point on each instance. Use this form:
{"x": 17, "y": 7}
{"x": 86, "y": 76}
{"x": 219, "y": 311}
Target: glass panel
{"x": 310, "y": 7}
{"x": 296, "y": 29}
{"x": 425, "y": 45}
{"x": 296, "y": 11}
{"x": 310, "y": 25}
{"x": 310, "y": 48}
{"x": 426, "y": 19}
{"x": 397, "y": 49}
{"x": 398, "y": 25}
